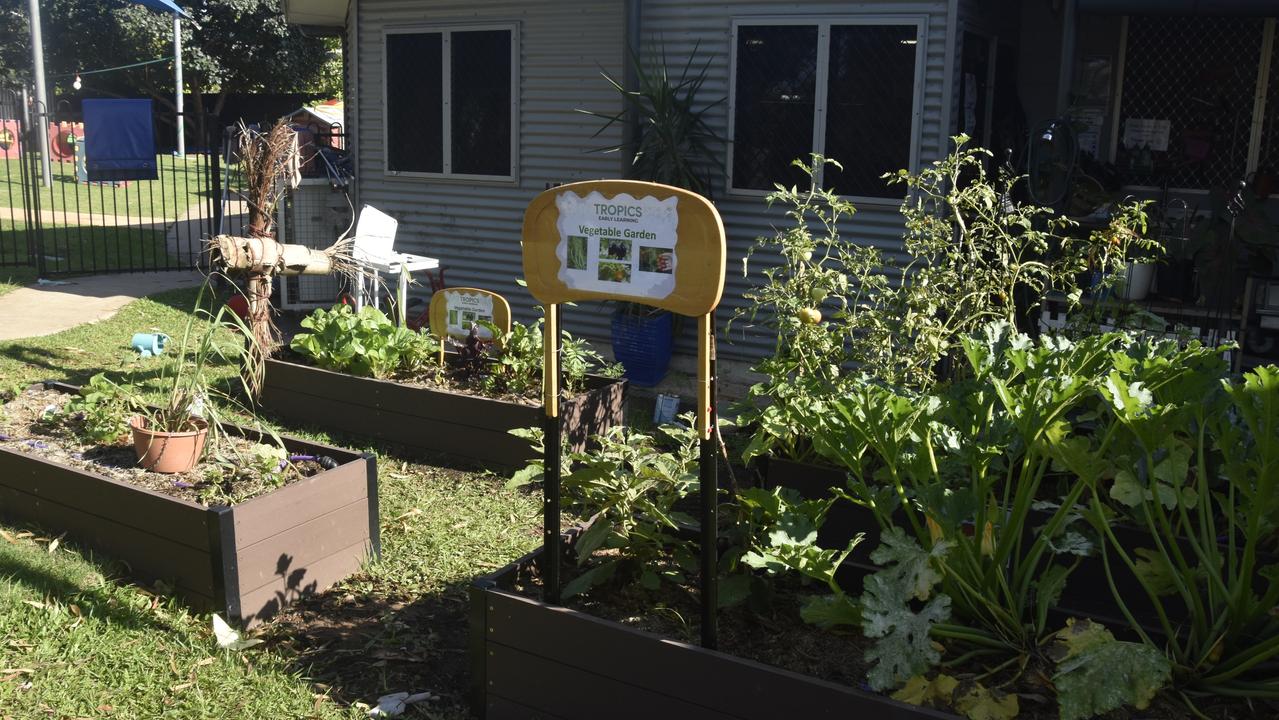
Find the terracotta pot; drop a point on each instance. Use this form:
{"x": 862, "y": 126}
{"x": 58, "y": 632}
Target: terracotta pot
{"x": 168, "y": 452}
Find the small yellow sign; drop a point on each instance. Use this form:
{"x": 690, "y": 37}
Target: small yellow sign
{"x": 455, "y": 310}
{"x": 625, "y": 240}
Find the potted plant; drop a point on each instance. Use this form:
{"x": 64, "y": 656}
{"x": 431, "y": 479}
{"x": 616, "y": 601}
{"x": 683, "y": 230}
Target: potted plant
{"x": 670, "y": 142}
{"x": 171, "y": 437}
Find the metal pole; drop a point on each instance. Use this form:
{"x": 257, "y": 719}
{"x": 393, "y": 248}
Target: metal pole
{"x": 708, "y": 482}
{"x": 41, "y": 124}
{"x": 177, "y": 84}
{"x": 1066, "y": 71}
{"x": 551, "y": 545}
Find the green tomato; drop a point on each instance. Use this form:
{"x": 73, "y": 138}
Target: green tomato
{"x": 817, "y": 294}
{"x": 810, "y": 316}
{"x": 806, "y": 256}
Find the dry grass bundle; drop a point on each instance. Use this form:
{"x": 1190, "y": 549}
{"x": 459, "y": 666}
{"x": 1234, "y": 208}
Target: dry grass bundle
{"x": 270, "y": 163}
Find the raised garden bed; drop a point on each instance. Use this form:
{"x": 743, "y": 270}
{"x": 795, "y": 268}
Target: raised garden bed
{"x": 245, "y": 561}
{"x": 533, "y": 660}
{"x": 468, "y": 426}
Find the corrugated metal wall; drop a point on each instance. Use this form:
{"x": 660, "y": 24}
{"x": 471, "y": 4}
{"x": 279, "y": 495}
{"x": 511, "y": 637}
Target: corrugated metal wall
{"x": 682, "y": 24}
{"x": 474, "y": 228}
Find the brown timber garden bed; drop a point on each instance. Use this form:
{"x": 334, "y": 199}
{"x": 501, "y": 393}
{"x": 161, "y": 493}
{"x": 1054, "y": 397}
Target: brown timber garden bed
{"x": 534, "y": 660}
{"x": 429, "y": 419}
{"x": 245, "y": 561}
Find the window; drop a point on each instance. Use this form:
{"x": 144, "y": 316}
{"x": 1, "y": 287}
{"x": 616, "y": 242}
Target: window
{"x": 845, "y": 89}
{"x": 451, "y": 102}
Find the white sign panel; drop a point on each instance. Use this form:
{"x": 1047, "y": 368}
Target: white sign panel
{"x": 621, "y": 245}
{"x": 1144, "y": 132}
{"x": 465, "y": 309}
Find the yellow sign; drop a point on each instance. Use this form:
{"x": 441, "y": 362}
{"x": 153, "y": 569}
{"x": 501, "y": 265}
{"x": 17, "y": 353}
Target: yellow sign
{"x": 455, "y": 310}
{"x": 625, "y": 240}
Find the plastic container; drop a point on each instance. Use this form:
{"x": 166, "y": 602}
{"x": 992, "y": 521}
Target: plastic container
{"x": 642, "y": 344}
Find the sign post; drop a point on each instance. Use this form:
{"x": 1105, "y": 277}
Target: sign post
{"x": 454, "y": 311}
{"x": 634, "y": 242}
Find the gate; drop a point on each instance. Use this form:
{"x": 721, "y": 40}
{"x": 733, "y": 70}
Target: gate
{"x": 71, "y": 225}
{"x": 18, "y": 245}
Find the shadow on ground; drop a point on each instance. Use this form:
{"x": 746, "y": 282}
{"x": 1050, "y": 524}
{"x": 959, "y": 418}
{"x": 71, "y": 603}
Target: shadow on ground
{"x": 359, "y": 647}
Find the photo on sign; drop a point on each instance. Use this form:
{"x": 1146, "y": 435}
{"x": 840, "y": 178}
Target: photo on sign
{"x": 576, "y": 252}
{"x": 615, "y": 249}
{"x": 655, "y": 260}
{"x": 615, "y": 272}
{"x": 453, "y": 317}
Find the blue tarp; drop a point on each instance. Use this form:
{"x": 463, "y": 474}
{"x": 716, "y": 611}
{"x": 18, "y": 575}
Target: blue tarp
{"x": 119, "y": 140}
{"x": 164, "y": 6}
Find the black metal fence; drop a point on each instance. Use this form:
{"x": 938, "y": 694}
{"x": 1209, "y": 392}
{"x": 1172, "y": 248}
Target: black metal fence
{"x": 66, "y": 224}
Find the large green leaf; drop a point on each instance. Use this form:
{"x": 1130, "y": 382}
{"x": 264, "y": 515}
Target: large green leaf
{"x": 911, "y": 566}
{"x": 902, "y": 647}
{"x": 1098, "y": 673}
{"x": 829, "y": 611}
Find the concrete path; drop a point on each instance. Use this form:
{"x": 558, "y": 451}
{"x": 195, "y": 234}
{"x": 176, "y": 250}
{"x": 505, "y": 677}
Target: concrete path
{"x": 39, "y": 310}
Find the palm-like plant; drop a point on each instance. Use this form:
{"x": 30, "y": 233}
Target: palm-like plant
{"x": 675, "y": 145}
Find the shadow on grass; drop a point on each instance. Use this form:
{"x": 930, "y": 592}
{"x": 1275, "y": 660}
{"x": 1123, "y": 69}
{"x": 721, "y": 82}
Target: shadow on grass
{"x": 362, "y": 647}
{"x": 99, "y": 600}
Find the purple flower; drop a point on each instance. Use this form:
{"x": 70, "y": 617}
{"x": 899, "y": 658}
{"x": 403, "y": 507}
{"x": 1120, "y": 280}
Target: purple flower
{"x": 182, "y": 484}
{"x": 301, "y": 458}
{"x": 37, "y": 444}
{"x": 3, "y": 437}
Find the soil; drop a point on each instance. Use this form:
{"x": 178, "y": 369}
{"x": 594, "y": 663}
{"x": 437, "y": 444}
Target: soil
{"x": 226, "y": 476}
{"x": 779, "y": 637}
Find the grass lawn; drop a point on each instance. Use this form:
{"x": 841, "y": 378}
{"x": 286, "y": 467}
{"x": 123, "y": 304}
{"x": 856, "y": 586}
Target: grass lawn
{"x": 89, "y": 249}
{"x": 181, "y": 183}
{"x": 401, "y": 624}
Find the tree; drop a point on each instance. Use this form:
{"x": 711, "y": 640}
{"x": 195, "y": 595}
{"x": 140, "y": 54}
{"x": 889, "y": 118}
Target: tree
{"x": 230, "y": 46}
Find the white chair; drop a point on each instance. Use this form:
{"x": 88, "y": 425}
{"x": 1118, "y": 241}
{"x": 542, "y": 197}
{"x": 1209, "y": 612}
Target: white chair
{"x": 374, "y": 252}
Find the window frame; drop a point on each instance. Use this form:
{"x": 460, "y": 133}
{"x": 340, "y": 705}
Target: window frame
{"x": 446, "y": 70}
{"x": 823, "y": 24}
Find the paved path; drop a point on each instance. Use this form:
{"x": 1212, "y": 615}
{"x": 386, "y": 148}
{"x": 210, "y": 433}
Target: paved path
{"x": 39, "y": 310}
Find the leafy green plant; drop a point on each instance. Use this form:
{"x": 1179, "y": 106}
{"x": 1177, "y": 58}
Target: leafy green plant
{"x": 629, "y": 490}
{"x": 1196, "y": 465}
{"x": 832, "y": 304}
{"x": 367, "y": 343}
{"x": 100, "y": 412}
{"x": 818, "y": 270}
{"x": 957, "y": 479}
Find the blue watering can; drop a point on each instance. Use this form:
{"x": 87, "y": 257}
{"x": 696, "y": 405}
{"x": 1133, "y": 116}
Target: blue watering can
{"x": 149, "y": 344}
